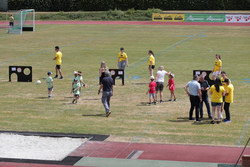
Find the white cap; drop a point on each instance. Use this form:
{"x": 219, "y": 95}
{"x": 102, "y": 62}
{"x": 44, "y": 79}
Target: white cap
{"x": 152, "y": 77}
{"x": 172, "y": 75}
{"x": 75, "y": 72}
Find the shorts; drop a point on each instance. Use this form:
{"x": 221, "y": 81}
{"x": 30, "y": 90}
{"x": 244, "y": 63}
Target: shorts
{"x": 76, "y": 95}
{"x": 215, "y": 104}
{"x": 50, "y": 89}
{"x": 153, "y": 67}
{"x": 216, "y": 73}
{"x": 58, "y": 67}
{"x": 160, "y": 86}
{"x": 151, "y": 95}
{"x": 11, "y": 24}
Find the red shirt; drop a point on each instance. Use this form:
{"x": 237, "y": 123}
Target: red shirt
{"x": 171, "y": 82}
{"x": 152, "y": 86}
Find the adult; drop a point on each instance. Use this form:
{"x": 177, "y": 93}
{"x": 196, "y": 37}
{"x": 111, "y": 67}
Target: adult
{"x": 107, "y": 91}
{"x": 151, "y": 62}
{"x": 11, "y": 20}
{"x": 58, "y": 58}
{"x": 204, "y": 88}
{"x": 122, "y": 59}
{"x": 160, "y": 82}
{"x": 195, "y": 97}
{"x": 217, "y": 92}
{"x": 217, "y": 67}
{"x": 102, "y": 71}
{"x": 228, "y": 99}
{"x": 223, "y": 77}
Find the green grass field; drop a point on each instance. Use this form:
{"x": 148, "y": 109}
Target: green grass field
{"x": 180, "y": 49}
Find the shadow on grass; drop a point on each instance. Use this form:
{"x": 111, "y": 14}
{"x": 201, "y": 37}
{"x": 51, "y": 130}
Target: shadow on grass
{"x": 94, "y": 115}
{"x": 42, "y": 97}
{"x": 180, "y": 119}
{"x": 144, "y": 104}
{"x": 91, "y": 99}
{"x": 139, "y": 83}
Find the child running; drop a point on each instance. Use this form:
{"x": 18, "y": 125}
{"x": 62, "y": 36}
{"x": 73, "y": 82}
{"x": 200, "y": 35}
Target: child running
{"x": 49, "y": 81}
{"x": 75, "y": 91}
{"x": 171, "y": 86}
{"x": 151, "y": 90}
{"x": 80, "y": 80}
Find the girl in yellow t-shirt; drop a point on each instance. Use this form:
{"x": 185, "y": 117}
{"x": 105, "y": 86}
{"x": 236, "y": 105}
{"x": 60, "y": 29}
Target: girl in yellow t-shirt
{"x": 151, "y": 62}
{"x": 217, "y": 66}
{"x": 217, "y": 91}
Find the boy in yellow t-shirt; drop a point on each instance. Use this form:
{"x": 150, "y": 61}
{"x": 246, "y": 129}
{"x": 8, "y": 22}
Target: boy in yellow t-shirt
{"x": 58, "y": 58}
{"x": 228, "y": 99}
{"x": 12, "y": 19}
{"x": 122, "y": 59}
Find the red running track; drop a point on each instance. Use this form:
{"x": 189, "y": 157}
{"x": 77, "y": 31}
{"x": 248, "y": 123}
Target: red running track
{"x": 168, "y": 152}
{"x": 12, "y": 164}
{"x": 136, "y": 23}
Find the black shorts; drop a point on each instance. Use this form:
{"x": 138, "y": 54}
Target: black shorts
{"x": 11, "y": 24}
{"x": 160, "y": 86}
{"x": 153, "y": 67}
{"x": 58, "y": 67}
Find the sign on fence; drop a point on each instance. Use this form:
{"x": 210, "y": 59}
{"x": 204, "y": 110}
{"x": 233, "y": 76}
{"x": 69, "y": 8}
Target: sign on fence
{"x": 204, "y": 17}
{"x": 168, "y": 17}
{"x": 237, "y": 18}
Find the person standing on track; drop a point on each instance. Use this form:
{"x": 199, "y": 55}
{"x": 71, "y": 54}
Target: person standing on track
{"x": 58, "y": 58}
{"x": 151, "y": 62}
{"x": 122, "y": 59}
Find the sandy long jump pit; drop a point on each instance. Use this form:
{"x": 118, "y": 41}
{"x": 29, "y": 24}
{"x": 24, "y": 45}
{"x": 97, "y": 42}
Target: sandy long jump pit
{"x": 36, "y": 147}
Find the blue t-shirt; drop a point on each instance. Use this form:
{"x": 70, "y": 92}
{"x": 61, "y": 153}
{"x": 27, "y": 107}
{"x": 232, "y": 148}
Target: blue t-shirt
{"x": 194, "y": 87}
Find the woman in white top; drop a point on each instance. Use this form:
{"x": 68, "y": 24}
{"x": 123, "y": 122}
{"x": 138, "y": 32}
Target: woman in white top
{"x": 160, "y": 81}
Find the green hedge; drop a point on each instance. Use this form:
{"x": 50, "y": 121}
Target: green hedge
{"x": 105, "y": 5}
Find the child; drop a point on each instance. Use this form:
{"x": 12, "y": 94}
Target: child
{"x": 217, "y": 67}
{"x": 75, "y": 90}
{"x": 151, "y": 90}
{"x": 80, "y": 80}
{"x": 171, "y": 86}
{"x": 102, "y": 69}
{"x": 49, "y": 81}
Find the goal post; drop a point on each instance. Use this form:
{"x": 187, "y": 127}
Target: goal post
{"x": 20, "y": 20}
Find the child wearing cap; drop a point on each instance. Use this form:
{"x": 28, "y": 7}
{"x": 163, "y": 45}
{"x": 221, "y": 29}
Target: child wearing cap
{"x": 75, "y": 91}
{"x": 151, "y": 90}
{"x": 49, "y": 81}
{"x": 171, "y": 86}
{"x": 75, "y": 77}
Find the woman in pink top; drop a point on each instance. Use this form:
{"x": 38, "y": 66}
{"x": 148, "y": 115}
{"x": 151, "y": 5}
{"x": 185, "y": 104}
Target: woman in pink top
{"x": 171, "y": 86}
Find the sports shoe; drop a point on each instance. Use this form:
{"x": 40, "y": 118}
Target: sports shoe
{"x": 154, "y": 102}
{"x": 174, "y": 99}
{"x": 210, "y": 117}
{"x": 161, "y": 101}
{"x": 224, "y": 120}
{"x": 56, "y": 76}
{"x": 170, "y": 100}
{"x": 61, "y": 77}
{"x": 218, "y": 122}
{"x": 191, "y": 119}
{"x": 198, "y": 121}
{"x": 227, "y": 121}
{"x": 212, "y": 122}
{"x": 108, "y": 113}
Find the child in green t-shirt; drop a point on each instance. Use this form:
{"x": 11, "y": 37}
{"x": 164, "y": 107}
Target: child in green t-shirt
{"x": 80, "y": 80}
{"x": 49, "y": 81}
{"x": 75, "y": 91}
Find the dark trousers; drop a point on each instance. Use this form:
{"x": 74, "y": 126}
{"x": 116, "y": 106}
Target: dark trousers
{"x": 195, "y": 103}
{"x": 227, "y": 112}
{"x": 206, "y": 100}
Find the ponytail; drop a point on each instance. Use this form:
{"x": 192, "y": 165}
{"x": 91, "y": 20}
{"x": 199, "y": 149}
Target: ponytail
{"x": 151, "y": 52}
{"x": 217, "y": 84}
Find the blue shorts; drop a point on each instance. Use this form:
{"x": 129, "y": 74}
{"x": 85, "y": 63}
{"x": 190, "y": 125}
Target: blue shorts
{"x": 215, "y": 104}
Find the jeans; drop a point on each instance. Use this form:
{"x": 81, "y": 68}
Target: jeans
{"x": 195, "y": 103}
{"x": 207, "y": 105}
{"x": 106, "y": 95}
{"x": 227, "y": 112}
{"x": 122, "y": 64}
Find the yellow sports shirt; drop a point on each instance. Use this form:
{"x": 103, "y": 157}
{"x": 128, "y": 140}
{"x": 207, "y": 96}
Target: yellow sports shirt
{"x": 217, "y": 65}
{"x": 122, "y": 56}
{"x": 11, "y": 19}
{"x": 151, "y": 58}
{"x": 230, "y": 93}
{"x": 58, "y": 58}
{"x": 217, "y": 96}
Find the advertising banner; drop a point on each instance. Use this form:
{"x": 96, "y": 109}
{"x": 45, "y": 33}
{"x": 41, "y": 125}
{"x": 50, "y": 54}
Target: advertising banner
{"x": 237, "y": 18}
{"x": 204, "y": 17}
{"x": 168, "y": 17}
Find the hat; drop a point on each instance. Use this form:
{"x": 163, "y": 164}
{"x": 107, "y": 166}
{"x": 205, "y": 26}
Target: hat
{"x": 49, "y": 73}
{"x": 75, "y": 72}
{"x": 172, "y": 75}
{"x": 152, "y": 77}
